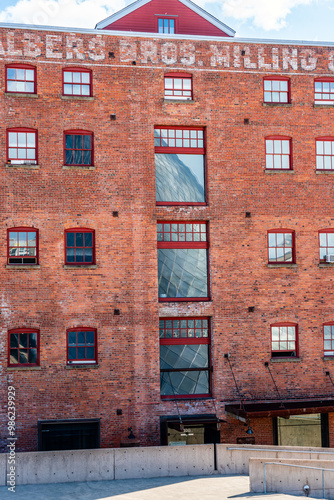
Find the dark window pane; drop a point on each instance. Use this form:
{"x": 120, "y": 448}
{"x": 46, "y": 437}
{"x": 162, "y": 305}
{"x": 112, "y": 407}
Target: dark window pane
{"x": 33, "y": 356}
{"x": 23, "y": 356}
{"x": 69, "y": 141}
{"x": 184, "y": 356}
{"x": 79, "y": 239}
{"x": 87, "y": 142}
{"x": 79, "y": 255}
{"x": 180, "y": 383}
{"x": 78, "y": 142}
{"x": 70, "y": 239}
{"x": 77, "y": 157}
{"x": 70, "y": 255}
{"x": 69, "y": 157}
{"x": 32, "y": 339}
{"x": 88, "y": 255}
{"x": 90, "y": 337}
{"x": 81, "y": 352}
{"x": 14, "y": 341}
{"x": 23, "y": 340}
{"x": 72, "y": 353}
{"x": 86, "y": 158}
{"x": 88, "y": 239}
{"x": 14, "y": 353}
{"x": 81, "y": 338}
{"x": 72, "y": 337}
{"x": 90, "y": 352}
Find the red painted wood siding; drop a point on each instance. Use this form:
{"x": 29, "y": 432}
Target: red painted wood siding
{"x": 144, "y": 19}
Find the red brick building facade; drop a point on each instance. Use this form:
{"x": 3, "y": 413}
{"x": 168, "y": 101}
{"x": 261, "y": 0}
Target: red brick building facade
{"x": 166, "y": 192}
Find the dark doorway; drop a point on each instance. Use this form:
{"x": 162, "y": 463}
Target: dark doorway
{"x": 68, "y": 434}
{"x": 190, "y": 431}
{"x": 302, "y": 430}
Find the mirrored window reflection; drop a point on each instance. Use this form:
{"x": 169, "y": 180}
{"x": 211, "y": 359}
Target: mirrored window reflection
{"x": 284, "y": 340}
{"x": 276, "y": 91}
{"x": 23, "y": 348}
{"x": 77, "y": 83}
{"x": 22, "y": 247}
{"x": 280, "y": 247}
{"x": 79, "y": 247}
{"x": 21, "y": 80}
{"x": 78, "y": 149}
{"x": 326, "y": 246}
{"x": 324, "y": 91}
{"x": 329, "y": 340}
{"x": 81, "y": 346}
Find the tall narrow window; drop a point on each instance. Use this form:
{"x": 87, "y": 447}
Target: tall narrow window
{"x": 166, "y": 25}
{"x": 79, "y": 246}
{"x": 324, "y": 91}
{"x": 21, "y": 78}
{"x": 326, "y": 245}
{"x": 178, "y": 86}
{"x": 284, "y": 342}
{"x": 278, "y": 153}
{"x": 179, "y": 166}
{"x": 281, "y": 246}
{"x": 22, "y": 146}
{"x": 276, "y": 90}
{"x": 183, "y": 261}
{"x": 325, "y": 153}
{"x": 78, "y": 149}
{"x": 23, "y": 347}
{"x": 81, "y": 346}
{"x": 22, "y": 246}
{"x": 77, "y": 82}
{"x": 184, "y": 357}
{"x": 329, "y": 339}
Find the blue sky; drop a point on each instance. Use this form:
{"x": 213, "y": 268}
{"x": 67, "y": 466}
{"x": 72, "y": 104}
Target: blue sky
{"x": 277, "y": 19}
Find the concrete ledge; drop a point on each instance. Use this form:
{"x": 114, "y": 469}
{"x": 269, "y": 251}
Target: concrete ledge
{"x": 277, "y": 104}
{"x": 23, "y": 368}
{"x": 277, "y": 266}
{"x": 23, "y": 165}
{"x": 77, "y": 98}
{"x": 3, "y": 468}
{"x": 80, "y": 266}
{"x": 330, "y": 172}
{"x": 20, "y": 94}
{"x": 23, "y": 267}
{"x": 84, "y": 367}
{"x": 323, "y": 265}
{"x": 279, "y": 171}
{"x": 77, "y": 167}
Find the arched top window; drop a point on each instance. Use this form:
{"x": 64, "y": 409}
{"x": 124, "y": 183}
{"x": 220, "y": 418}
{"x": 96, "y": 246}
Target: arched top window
{"x": 281, "y": 246}
{"x": 284, "y": 340}
{"x": 23, "y": 347}
{"x": 324, "y": 150}
{"x": 77, "y": 82}
{"x": 178, "y": 86}
{"x": 21, "y": 78}
{"x": 324, "y": 90}
{"x": 81, "y": 346}
{"x": 326, "y": 245}
{"x": 78, "y": 148}
{"x": 328, "y": 331}
{"x": 276, "y": 90}
{"x": 79, "y": 246}
{"x": 22, "y": 246}
{"x": 278, "y": 152}
{"x": 22, "y": 146}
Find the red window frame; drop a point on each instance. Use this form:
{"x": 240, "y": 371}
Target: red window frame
{"x": 9, "y": 247}
{"x": 24, "y": 67}
{"x": 175, "y": 338}
{"x": 81, "y": 133}
{"x": 323, "y": 234}
{"x": 284, "y": 246}
{"x": 322, "y": 95}
{"x": 284, "y": 339}
{"x": 24, "y": 160}
{"x": 85, "y": 231}
{"x": 78, "y": 71}
{"x": 24, "y": 331}
{"x": 194, "y": 146}
{"x": 178, "y": 244}
{"x": 324, "y": 155}
{"x": 77, "y": 345}
{"x": 285, "y": 94}
{"x": 165, "y": 18}
{"x": 276, "y": 154}
{"x": 328, "y": 338}
{"x": 184, "y": 93}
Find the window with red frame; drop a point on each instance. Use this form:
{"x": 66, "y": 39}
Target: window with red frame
{"x": 182, "y": 261}
{"x": 329, "y": 339}
{"x": 23, "y": 347}
{"x": 21, "y": 79}
{"x": 278, "y": 153}
{"x": 179, "y": 166}
{"x": 22, "y": 246}
{"x": 178, "y": 86}
{"x": 284, "y": 341}
{"x": 276, "y": 90}
{"x": 81, "y": 346}
{"x": 281, "y": 246}
{"x": 22, "y": 146}
{"x": 184, "y": 357}
{"x": 78, "y": 148}
{"x": 326, "y": 245}
{"x": 79, "y": 246}
{"x": 166, "y": 25}
{"x": 325, "y": 153}
{"x": 77, "y": 82}
{"x": 324, "y": 91}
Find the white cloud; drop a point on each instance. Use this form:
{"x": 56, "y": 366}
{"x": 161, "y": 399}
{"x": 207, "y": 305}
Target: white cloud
{"x": 73, "y": 13}
{"x": 266, "y": 14}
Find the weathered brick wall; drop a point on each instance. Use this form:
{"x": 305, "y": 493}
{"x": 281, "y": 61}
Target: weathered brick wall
{"x": 227, "y": 89}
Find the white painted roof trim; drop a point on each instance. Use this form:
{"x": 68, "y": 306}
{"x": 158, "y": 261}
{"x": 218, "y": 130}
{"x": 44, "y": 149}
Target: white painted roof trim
{"x": 132, "y": 34}
{"x": 139, "y": 3}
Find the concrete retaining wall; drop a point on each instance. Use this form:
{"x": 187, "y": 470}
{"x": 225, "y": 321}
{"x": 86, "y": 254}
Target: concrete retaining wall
{"x": 283, "y": 479}
{"x": 3, "y": 469}
{"x": 234, "y": 459}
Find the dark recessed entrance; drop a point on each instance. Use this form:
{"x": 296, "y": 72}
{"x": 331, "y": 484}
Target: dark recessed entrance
{"x": 68, "y": 434}
{"x": 302, "y": 430}
{"x": 190, "y": 431}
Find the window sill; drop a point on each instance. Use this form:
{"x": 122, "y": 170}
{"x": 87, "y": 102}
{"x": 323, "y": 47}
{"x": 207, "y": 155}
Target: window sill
{"x": 77, "y": 98}
{"x": 167, "y": 300}
{"x": 85, "y": 366}
{"x": 182, "y": 101}
{"x": 22, "y": 165}
{"x": 328, "y": 358}
{"x": 20, "y": 267}
{"x": 329, "y": 105}
{"x": 186, "y": 398}
{"x": 23, "y": 368}
{"x": 20, "y": 94}
{"x": 277, "y": 266}
{"x": 77, "y": 167}
{"x": 283, "y": 360}
{"x": 278, "y": 171}
{"x": 183, "y": 204}
{"x": 323, "y": 265}
{"x": 80, "y": 266}
{"x": 324, "y": 172}
{"x": 279, "y": 104}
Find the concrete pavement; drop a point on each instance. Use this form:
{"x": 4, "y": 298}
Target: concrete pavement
{"x": 214, "y": 487}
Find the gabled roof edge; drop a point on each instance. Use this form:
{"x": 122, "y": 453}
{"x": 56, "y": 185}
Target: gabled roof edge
{"x": 188, "y": 3}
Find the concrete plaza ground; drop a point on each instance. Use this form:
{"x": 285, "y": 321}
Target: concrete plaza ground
{"x": 170, "y": 488}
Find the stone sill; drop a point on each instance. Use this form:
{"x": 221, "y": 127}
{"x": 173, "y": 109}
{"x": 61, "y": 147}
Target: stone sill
{"x": 22, "y": 165}
{"x": 279, "y": 104}
{"x": 277, "y": 266}
{"x": 324, "y": 172}
{"x": 315, "y": 105}
{"x": 20, "y": 94}
{"x": 77, "y": 98}
{"x": 186, "y": 398}
{"x": 20, "y": 267}
{"x": 278, "y": 171}
{"x": 77, "y": 167}
{"x": 23, "y": 368}
{"x": 328, "y": 358}
{"x": 179, "y": 100}
{"x": 80, "y": 266}
{"x": 323, "y": 265}
{"x": 85, "y": 366}
{"x": 283, "y": 360}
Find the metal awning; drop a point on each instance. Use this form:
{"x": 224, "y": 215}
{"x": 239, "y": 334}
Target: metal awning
{"x": 257, "y": 409}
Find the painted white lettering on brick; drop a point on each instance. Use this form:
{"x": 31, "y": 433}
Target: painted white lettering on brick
{"x": 128, "y": 51}
{"x": 97, "y": 47}
{"x": 248, "y": 64}
{"x": 188, "y": 51}
{"x": 308, "y": 60}
{"x": 275, "y": 58}
{"x": 149, "y": 52}
{"x": 290, "y": 58}
{"x": 261, "y": 55}
{"x": 236, "y": 56}
{"x": 220, "y": 57}
{"x": 169, "y": 53}
{"x": 31, "y": 45}
{"x": 52, "y": 46}
{"x": 11, "y": 51}
{"x": 74, "y": 47}
{"x": 2, "y": 50}
{"x": 331, "y": 61}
